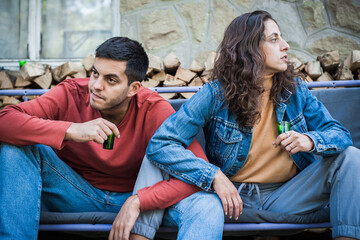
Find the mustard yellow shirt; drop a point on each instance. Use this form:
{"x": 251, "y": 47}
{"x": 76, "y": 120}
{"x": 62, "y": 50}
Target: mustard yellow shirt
{"x": 266, "y": 164}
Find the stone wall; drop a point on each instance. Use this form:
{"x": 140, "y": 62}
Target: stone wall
{"x": 193, "y": 28}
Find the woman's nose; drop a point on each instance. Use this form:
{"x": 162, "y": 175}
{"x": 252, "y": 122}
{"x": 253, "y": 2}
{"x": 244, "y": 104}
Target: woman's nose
{"x": 285, "y": 46}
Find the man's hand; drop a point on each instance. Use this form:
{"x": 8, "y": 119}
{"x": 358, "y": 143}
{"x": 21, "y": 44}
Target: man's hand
{"x": 95, "y": 130}
{"x": 125, "y": 219}
{"x": 294, "y": 142}
{"x": 228, "y": 195}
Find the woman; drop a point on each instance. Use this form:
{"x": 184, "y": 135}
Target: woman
{"x": 253, "y": 88}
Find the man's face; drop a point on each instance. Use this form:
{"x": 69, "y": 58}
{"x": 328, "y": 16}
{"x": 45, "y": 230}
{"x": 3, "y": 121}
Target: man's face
{"x": 108, "y": 85}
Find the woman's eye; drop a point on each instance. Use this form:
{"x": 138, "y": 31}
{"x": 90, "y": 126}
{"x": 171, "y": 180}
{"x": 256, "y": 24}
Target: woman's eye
{"x": 273, "y": 40}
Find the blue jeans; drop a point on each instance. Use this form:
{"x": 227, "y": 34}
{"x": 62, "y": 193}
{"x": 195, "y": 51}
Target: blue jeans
{"x": 199, "y": 216}
{"x": 332, "y": 181}
{"x": 303, "y": 199}
{"x": 33, "y": 174}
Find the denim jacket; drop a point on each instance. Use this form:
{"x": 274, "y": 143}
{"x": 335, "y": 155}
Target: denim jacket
{"x": 228, "y": 143}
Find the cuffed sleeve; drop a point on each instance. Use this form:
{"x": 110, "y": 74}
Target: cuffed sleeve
{"x": 328, "y": 135}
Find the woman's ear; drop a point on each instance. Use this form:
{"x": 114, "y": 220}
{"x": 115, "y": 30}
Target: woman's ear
{"x": 134, "y": 88}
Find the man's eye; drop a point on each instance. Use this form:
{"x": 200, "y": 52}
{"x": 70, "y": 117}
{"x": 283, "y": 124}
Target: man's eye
{"x": 95, "y": 73}
{"x": 112, "y": 80}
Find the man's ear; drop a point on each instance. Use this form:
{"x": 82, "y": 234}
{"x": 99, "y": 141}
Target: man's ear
{"x": 134, "y": 88}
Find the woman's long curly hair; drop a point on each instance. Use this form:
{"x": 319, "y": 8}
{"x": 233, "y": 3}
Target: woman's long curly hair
{"x": 240, "y": 67}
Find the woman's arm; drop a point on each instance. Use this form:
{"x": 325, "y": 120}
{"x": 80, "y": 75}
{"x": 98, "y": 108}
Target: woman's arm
{"x": 328, "y": 135}
{"x": 167, "y": 148}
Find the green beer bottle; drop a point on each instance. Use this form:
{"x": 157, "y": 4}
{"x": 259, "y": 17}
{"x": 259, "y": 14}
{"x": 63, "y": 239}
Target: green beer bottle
{"x": 109, "y": 142}
{"x": 283, "y": 126}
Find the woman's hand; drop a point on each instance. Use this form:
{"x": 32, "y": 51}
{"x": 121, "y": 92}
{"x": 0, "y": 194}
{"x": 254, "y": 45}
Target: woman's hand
{"x": 228, "y": 195}
{"x": 125, "y": 219}
{"x": 294, "y": 142}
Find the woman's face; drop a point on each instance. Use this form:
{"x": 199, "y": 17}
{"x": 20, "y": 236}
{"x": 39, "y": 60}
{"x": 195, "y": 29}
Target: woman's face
{"x": 274, "y": 48}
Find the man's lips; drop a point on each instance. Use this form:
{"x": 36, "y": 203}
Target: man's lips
{"x": 95, "y": 96}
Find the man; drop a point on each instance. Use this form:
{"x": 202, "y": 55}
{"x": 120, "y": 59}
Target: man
{"x": 75, "y": 118}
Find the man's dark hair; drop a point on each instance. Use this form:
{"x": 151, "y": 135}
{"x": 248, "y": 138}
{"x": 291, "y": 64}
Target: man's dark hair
{"x": 126, "y": 49}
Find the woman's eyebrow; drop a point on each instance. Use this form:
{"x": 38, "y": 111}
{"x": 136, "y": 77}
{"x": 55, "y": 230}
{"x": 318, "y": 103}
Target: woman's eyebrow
{"x": 274, "y": 34}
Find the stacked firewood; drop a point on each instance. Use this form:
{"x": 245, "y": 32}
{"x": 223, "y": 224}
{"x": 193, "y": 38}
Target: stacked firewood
{"x": 328, "y": 67}
{"x": 168, "y": 72}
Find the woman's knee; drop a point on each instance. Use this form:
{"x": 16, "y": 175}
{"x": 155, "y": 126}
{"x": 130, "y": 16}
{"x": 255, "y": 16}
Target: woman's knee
{"x": 206, "y": 206}
{"x": 350, "y": 158}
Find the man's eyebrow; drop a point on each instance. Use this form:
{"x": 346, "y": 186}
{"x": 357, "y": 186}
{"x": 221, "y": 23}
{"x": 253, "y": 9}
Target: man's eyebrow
{"x": 110, "y": 75}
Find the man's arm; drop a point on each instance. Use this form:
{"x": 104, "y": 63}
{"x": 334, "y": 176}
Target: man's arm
{"x": 52, "y": 119}
{"x": 35, "y": 121}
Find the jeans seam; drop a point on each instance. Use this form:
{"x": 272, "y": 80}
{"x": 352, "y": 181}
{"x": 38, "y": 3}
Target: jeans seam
{"x": 37, "y": 218}
{"x": 336, "y": 178}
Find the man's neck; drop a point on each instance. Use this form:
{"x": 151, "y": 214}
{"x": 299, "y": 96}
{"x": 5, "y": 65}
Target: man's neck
{"x": 117, "y": 114}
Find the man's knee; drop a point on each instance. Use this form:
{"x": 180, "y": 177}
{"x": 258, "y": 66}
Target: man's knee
{"x": 23, "y": 156}
{"x": 9, "y": 152}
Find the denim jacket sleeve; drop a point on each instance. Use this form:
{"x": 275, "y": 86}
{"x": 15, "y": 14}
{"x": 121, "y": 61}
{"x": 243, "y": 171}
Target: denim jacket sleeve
{"x": 166, "y": 148}
{"x": 328, "y": 135}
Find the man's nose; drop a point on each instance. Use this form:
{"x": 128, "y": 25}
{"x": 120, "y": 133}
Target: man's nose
{"x": 98, "y": 84}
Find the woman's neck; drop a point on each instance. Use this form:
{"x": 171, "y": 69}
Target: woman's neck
{"x": 268, "y": 82}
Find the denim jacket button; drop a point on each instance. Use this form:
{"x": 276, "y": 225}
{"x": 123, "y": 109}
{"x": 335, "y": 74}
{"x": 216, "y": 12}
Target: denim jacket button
{"x": 204, "y": 184}
{"x": 241, "y": 159}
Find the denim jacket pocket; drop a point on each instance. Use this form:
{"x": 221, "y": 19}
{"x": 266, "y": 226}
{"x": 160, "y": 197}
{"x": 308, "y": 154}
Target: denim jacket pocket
{"x": 226, "y": 139}
{"x": 298, "y": 124}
